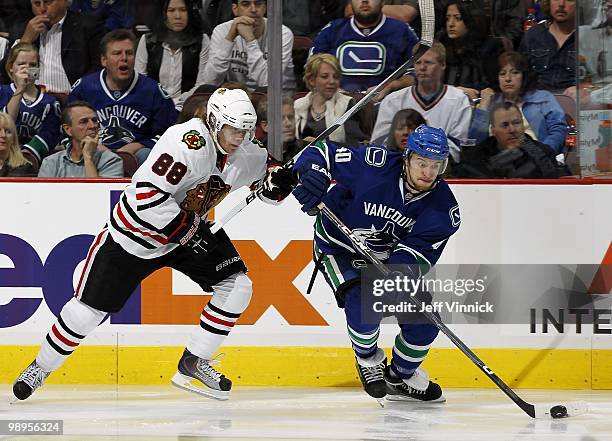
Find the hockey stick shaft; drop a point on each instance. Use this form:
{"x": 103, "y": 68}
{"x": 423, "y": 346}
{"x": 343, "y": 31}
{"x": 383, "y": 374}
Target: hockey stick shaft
{"x": 426, "y": 7}
{"x": 529, "y": 409}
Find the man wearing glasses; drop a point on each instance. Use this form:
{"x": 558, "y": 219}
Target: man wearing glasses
{"x": 239, "y": 49}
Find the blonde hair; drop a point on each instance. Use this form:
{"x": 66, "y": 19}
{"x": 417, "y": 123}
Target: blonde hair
{"x": 438, "y": 49}
{"x": 311, "y": 70}
{"x": 14, "y": 52}
{"x": 14, "y": 156}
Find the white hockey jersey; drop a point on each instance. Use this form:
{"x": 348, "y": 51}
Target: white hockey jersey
{"x": 181, "y": 174}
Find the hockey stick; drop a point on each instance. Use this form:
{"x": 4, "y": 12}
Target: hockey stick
{"x": 428, "y": 23}
{"x": 560, "y": 410}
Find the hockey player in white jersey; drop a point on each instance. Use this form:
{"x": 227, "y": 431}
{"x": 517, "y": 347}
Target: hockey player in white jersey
{"x": 160, "y": 221}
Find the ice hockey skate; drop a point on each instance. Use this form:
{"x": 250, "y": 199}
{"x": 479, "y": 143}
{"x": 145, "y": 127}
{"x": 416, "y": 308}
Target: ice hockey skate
{"x": 371, "y": 373}
{"x": 416, "y": 388}
{"x": 30, "y": 379}
{"x": 199, "y": 376}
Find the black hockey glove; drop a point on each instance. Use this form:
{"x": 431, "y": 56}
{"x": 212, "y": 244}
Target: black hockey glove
{"x": 313, "y": 186}
{"x": 279, "y": 183}
{"x": 195, "y": 234}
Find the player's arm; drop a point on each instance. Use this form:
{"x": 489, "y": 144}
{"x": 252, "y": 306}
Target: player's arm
{"x": 313, "y": 171}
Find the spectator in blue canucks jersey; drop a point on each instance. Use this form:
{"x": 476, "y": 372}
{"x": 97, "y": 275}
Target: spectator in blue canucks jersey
{"x": 404, "y": 213}
{"x": 369, "y": 46}
{"x": 36, "y": 114}
{"x": 133, "y": 110}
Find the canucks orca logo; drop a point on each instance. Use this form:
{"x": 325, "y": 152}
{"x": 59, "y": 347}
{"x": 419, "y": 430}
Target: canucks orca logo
{"x": 361, "y": 58}
{"x": 379, "y": 241}
{"x": 114, "y": 136}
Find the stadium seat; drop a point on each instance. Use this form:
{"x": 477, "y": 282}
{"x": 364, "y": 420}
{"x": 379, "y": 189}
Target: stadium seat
{"x": 130, "y": 165}
{"x": 302, "y": 42}
{"x": 32, "y": 158}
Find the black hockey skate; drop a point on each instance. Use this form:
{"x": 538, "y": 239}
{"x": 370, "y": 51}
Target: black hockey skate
{"x": 30, "y": 379}
{"x": 371, "y": 373}
{"x": 416, "y": 388}
{"x": 199, "y": 376}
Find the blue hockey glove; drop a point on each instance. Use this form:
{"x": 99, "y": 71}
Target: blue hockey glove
{"x": 313, "y": 186}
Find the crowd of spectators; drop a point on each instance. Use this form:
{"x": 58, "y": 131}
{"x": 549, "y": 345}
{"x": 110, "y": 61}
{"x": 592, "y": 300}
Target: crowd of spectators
{"x": 87, "y": 83}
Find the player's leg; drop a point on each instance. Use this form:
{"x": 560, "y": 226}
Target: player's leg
{"x": 342, "y": 274}
{"x": 109, "y": 277}
{"x": 406, "y": 380}
{"x": 222, "y": 272}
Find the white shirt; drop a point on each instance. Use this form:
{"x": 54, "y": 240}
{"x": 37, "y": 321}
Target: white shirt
{"x": 246, "y": 62}
{"x": 171, "y": 69}
{"x": 52, "y": 73}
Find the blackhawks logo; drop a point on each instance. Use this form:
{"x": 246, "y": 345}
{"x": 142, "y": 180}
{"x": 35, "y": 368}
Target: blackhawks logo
{"x": 194, "y": 140}
{"x": 206, "y": 195}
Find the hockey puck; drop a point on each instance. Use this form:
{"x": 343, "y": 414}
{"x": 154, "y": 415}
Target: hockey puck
{"x": 558, "y": 411}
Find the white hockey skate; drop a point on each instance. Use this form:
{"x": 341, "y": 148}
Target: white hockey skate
{"x": 199, "y": 376}
{"x": 417, "y": 388}
{"x": 30, "y": 379}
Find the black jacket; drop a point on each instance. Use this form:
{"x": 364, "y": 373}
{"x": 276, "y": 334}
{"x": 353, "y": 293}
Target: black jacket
{"x": 81, "y": 35}
{"x": 190, "y": 57}
{"x": 531, "y": 160}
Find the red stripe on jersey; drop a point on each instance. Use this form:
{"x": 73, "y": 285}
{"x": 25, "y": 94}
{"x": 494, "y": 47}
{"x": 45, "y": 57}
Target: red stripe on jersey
{"x": 212, "y": 318}
{"x": 141, "y": 196}
{"x": 131, "y": 227}
{"x": 94, "y": 246}
{"x": 62, "y": 338}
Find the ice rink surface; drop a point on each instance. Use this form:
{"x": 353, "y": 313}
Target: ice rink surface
{"x": 166, "y": 413}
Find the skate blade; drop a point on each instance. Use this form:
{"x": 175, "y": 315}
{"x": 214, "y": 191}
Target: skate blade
{"x": 381, "y": 401}
{"x": 186, "y": 383}
{"x": 401, "y": 398}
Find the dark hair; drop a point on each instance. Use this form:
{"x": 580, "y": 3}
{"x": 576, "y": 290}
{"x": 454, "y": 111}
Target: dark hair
{"x": 520, "y": 63}
{"x": 67, "y": 112}
{"x": 194, "y": 20}
{"x": 194, "y": 106}
{"x": 411, "y": 118}
{"x": 503, "y": 105}
{"x": 116, "y": 35}
{"x": 473, "y": 17}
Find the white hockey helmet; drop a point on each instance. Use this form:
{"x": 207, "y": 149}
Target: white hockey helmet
{"x": 232, "y": 107}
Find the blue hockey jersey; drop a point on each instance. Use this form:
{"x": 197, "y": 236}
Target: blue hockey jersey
{"x": 398, "y": 228}
{"x": 141, "y": 113}
{"x": 366, "y": 60}
{"x": 38, "y": 123}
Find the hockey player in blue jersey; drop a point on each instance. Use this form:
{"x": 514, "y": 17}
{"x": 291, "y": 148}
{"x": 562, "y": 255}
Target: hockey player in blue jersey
{"x": 405, "y": 213}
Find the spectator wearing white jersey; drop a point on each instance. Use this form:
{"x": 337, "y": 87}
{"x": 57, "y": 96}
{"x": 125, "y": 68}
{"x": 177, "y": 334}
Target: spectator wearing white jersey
{"x": 443, "y": 106}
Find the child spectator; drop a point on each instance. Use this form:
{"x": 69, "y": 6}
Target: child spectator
{"x": 36, "y": 113}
